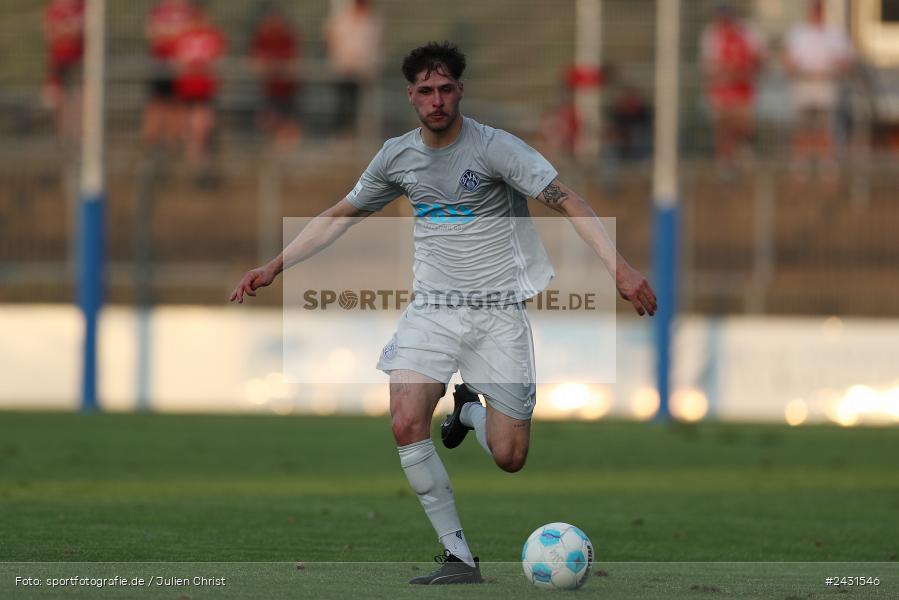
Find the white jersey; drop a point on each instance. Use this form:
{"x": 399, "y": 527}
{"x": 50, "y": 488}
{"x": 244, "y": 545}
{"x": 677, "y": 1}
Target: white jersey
{"x": 474, "y": 240}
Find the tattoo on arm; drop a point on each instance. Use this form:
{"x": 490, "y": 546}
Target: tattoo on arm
{"x": 553, "y": 194}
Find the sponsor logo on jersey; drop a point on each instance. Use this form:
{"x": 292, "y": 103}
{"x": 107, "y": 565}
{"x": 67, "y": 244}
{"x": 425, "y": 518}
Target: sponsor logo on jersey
{"x": 441, "y": 213}
{"x": 469, "y": 180}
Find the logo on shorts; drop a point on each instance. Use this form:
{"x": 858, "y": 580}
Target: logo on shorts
{"x": 390, "y": 351}
{"x": 469, "y": 180}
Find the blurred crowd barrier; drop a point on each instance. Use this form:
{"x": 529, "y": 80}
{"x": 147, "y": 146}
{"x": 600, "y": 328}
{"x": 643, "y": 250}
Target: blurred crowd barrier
{"x": 793, "y": 370}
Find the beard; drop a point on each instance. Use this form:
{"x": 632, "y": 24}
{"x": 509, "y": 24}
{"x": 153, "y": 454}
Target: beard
{"x": 441, "y": 126}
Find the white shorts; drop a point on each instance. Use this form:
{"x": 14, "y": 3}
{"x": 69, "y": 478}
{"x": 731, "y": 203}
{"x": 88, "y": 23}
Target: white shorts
{"x": 491, "y": 347}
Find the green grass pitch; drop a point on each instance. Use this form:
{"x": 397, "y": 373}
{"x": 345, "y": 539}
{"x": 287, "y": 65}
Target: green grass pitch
{"x": 705, "y": 511}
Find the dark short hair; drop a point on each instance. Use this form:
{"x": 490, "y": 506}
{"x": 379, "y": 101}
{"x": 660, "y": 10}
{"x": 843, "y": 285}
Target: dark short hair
{"x": 431, "y": 57}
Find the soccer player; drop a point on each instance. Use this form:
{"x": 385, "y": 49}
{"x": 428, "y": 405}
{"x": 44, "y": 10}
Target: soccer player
{"x": 483, "y": 177}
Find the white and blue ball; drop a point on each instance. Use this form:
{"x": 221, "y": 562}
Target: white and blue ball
{"x": 557, "y": 556}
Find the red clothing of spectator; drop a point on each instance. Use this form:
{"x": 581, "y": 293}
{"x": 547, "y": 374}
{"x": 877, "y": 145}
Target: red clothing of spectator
{"x": 274, "y": 46}
{"x": 64, "y": 28}
{"x": 196, "y": 52}
{"x": 731, "y": 54}
{"x": 274, "y": 41}
{"x": 165, "y": 23}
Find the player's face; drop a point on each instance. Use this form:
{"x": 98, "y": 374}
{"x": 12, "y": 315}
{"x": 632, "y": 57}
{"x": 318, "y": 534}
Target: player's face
{"x": 435, "y": 98}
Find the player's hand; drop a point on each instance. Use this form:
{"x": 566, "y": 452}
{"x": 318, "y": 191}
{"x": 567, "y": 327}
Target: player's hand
{"x": 634, "y": 288}
{"x": 252, "y": 281}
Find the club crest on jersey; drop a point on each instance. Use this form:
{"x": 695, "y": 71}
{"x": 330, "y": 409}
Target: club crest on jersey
{"x": 469, "y": 180}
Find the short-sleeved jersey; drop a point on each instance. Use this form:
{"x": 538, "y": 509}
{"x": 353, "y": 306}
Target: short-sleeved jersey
{"x": 474, "y": 240}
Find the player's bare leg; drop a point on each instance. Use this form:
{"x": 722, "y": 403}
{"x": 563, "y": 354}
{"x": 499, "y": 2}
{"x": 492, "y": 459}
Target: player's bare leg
{"x": 506, "y": 439}
{"x": 413, "y": 398}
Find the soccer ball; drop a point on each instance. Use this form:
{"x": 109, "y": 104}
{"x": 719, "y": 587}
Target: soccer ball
{"x": 557, "y": 556}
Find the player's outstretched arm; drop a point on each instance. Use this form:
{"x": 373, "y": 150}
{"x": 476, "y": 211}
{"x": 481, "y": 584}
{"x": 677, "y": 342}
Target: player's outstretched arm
{"x": 631, "y": 284}
{"x": 318, "y": 234}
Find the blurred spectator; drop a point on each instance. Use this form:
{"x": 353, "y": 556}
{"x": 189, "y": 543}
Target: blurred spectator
{"x": 560, "y": 127}
{"x": 817, "y": 56}
{"x": 165, "y": 24}
{"x": 275, "y": 51}
{"x": 629, "y": 131}
{"x": 64, "y": 31}
{"x": 626, "y": 122}
{"x": 731, "y": 54}
{"x": 630, "y": 124}
{"x": 353, "y": 41}
{"x": 196, "y": 52}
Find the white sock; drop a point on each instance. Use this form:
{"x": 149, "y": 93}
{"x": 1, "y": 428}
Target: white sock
{"x": 429, "y": 479}
{"x": 474, "y": 415}
{"x": 457, "y": 544}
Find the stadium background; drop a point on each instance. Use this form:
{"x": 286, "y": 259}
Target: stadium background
{"x": 788, "y": 314}
{"x": 805, "y": 267}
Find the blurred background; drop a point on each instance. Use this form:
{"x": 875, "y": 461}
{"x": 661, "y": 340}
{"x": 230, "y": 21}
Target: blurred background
{"x": 222, "y": 118}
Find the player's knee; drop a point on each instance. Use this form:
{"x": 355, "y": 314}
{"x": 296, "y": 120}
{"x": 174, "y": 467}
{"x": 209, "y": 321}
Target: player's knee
{"x": 511, "y": 460}
{"x": 408, "y": 429}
